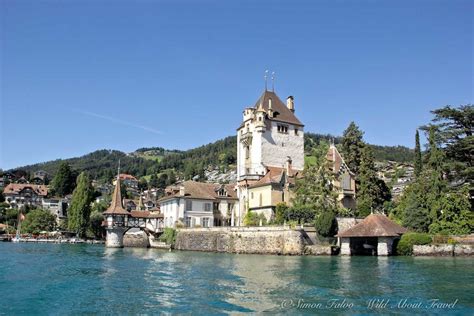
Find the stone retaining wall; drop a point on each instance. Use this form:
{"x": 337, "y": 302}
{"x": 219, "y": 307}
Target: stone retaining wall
{"x": 256, "y": 240}
{"x": 443, "y": 250}
{"x": 139, "y": 240}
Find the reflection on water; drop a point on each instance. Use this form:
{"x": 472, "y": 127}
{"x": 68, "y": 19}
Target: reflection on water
{"x": 71, "y": 279}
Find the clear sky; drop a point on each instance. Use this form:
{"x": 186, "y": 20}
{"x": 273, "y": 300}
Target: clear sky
{"x": 77, "y": 76}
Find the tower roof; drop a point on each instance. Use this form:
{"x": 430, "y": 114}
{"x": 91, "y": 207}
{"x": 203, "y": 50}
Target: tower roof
{"x": 281, "y": 112}
{"x": 116, "y": 205}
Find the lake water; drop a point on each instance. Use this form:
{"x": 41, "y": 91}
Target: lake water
{"x": 89, "y": 279}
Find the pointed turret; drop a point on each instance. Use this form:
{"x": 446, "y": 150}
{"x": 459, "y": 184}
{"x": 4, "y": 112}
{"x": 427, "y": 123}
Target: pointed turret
{"x": 116, "y": 206}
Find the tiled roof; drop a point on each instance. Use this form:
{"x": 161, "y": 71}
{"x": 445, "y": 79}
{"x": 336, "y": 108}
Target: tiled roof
{"x": 16, "y": 188}
{"x": 145, "y": 214}
{"x": 374, "y": 225}
{"x": 280, "y": 110}
{"x": 275, "y": 175}
{"x": 124, "y": 176}
{"x": 201, "y": 190}
{"x": 116, "y": 205}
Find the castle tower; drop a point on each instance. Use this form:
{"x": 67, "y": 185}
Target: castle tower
{"x": 270, "y": 135}
{"x": 116, "y": 219}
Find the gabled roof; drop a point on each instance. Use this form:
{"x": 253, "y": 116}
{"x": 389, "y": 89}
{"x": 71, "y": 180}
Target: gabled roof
{"x": 200, "y": 190}
{"x": 374, "y": 225}
{"x": 275, "y": 175}
{"x": 16, "y": 188}
{"x": 339, "y": 164}
{"x": 281, "y": 112}
{"x": 116, "y": 205}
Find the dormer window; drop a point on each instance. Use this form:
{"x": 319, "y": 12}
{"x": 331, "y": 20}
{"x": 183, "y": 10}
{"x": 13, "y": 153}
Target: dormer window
{"x": 222, "y": 192}
{"x": 282, "y": 129}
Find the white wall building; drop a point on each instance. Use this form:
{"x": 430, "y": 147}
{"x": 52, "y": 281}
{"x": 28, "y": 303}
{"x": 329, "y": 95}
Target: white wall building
{"x": 193, "y": 204}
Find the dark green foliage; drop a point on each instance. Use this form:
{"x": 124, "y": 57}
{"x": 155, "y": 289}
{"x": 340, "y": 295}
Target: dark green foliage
{"x": 414, "y": 208}
{"x": 455, "y": 131}
{"x": 169, "y": 236}
{"x": 64, "y": 181}
{"x": 38, "y": 220}
{"x": 315, "y": 192}
{"x": 2, "y": 198}
{"x": 418, "y": 164}
{"x": 352, "y": 146}
{"x": 79, "y": 212}
{"x": 281, "y": 213}
{"x": 326, "y": 224}
{"x": 405, "y": 245}
{"x": 253, "y": 219}
{"x": 96, "y": 227}
{"x": 372, "y": 192}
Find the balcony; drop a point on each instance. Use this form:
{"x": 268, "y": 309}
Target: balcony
{"x": 246, "y": 138}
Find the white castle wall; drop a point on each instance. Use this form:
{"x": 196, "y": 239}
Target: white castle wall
{"x": 276, "y": 147}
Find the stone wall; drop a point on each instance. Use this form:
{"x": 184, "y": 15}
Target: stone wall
{"x": 256, "y": 240}
{"x": 137, "y": 239}
{"x": 344, "y": 223}
{"x": 443, "y": 250}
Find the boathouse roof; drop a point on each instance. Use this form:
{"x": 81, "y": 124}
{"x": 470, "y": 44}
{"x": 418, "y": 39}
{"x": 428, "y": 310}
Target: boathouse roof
{"x": 374, "y": 225}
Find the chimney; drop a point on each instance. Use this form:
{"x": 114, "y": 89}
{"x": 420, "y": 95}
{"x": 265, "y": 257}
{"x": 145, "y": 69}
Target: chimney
{"x": 288, "y": 166}
{"x": 270, "y": 108}
{"x": 290, "y": 104}
{"x": 181, "y": 190}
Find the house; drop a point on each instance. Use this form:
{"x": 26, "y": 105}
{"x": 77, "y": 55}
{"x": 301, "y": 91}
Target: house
{"x": 194, "y": 204}
{"x": 375, "y": 235}
{"x": 129, "y": 181}
{"x": 344, "y": 181}
{"x": 19, "y": 194}
{"x": 57, "y": 206}
{"x": 270, "y": 154}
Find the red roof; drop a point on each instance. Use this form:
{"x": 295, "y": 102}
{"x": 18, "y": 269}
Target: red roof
{"x": 16, "y": 188}
{"x": 124, "y": 176}
{"x": 275, "y": 175}
{"x": 374, "y": 225}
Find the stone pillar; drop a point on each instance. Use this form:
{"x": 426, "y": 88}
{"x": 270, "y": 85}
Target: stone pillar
{"x": 345, "y": 247}
{"x": 114, "y": 237}
{"x": 384, "y": 246}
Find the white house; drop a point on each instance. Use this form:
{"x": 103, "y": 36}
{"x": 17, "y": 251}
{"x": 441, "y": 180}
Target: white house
{"x": 192, "y": 204}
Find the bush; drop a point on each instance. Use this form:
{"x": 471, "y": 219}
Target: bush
{"x": 169, "y": 236}
{"x": 326, "y": 224}
{"x": 405, "y": 245}
{"x": 281, "y": 213}
{"x": 253, "y": 219}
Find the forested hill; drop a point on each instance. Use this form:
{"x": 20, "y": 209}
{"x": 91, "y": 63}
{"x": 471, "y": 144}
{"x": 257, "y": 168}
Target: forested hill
{"x": 102, "y": 164}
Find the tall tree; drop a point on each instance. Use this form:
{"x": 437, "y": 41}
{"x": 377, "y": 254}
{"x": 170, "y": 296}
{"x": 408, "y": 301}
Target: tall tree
{"x": 315, "y": 193}
{"x": 38, "y": 220}
{"x": 352, "y": 145}
{"x": 64, "y": 181}
{"x": 455, "y": 127}
{"x": 417, "y": 163}
{"x": 368, "y": 193}
{"x": 80, "y": 210}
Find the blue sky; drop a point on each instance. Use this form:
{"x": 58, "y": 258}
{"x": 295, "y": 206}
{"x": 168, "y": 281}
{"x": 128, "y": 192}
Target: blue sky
{"x": 77, "y": 76}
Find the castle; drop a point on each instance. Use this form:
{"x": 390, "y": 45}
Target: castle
{"x": 270, "y": 155}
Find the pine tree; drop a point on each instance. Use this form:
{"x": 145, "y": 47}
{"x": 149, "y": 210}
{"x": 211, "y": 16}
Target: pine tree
{"x": 352, "y": 145}
{"x": 64, "y": 181}
{"x": 368, "y": 193}
{"x": 79, "y": 212}
{"x": 417, "y": 163}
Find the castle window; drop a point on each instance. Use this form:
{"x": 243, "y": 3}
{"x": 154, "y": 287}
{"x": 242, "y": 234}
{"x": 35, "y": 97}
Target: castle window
{"x": 282, "y": 129}
{"x": 247, "y": 152}
{"x": 282, "y": 144}
{"x": 296, "y": 131}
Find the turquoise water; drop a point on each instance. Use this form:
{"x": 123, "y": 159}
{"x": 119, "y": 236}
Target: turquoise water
{"x": 38, "y": 279}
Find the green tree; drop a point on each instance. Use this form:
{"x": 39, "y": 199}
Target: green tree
{"x": 281, "y": 213}
{"x": 417, "y": 163}
{"x": 326, "y": 224}
{"x": 153, "y": 181}
{"x": 64, "y": 181}
{"x": 38, "y": 220}
{"x": 369, "y": 194}
{"x": 315, "y": 193}
{"x": 142, "y": 184}
{"x": 79, "y": 212}
{"x": 96, "y": 227}
{"x": 455, "y": 129}
{"x": 352, "y": 146}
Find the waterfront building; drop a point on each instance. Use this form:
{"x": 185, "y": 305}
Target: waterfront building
{"x": 375, "y": 235}
{"x": 22, "y": 194}
{"x": 197, "y": 204}
{"x": 270, "y": 155}
{"x": 57, "y": 206}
